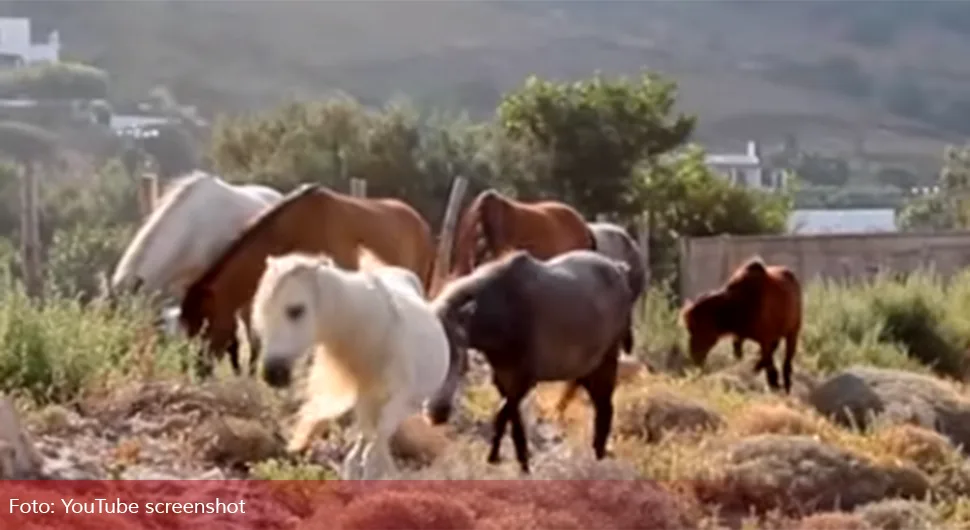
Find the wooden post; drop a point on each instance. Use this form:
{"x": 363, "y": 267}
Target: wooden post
{"x": 358, "y": 187}
{"x": 447, "y": 237}
{"x": 643, "y": 239}
{"x": 147, "y": 193}
{"x": 30, "y": 232}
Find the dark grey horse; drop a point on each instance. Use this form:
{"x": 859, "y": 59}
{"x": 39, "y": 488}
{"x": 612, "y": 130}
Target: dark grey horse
{"x": 564, "y": 319}
{"x": 613, "y": 241}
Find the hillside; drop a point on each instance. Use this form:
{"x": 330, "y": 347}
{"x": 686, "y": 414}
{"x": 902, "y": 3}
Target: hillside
{"x": 882, "y": 80}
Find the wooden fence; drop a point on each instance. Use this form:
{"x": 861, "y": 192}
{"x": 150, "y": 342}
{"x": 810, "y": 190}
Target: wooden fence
{"x": 706, "y": 262}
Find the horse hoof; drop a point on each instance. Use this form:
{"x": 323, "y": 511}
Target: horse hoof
{"x": 494, "y": 459}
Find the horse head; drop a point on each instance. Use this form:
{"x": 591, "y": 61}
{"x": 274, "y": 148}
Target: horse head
{"x": 702, "y": 318}
{"x": 288, "y": 304}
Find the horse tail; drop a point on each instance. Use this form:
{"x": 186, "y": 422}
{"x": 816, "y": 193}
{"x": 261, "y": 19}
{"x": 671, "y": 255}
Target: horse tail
{"x": 485, "y": 231}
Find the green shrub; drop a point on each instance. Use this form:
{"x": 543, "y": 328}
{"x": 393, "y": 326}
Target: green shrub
{"x": 55, "y": 81}
{"x": 912, "y": 324}
{"x": 63, "y": 350}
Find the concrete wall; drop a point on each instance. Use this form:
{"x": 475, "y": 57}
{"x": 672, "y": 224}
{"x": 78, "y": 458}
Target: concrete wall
{"x": 706, "y": 262}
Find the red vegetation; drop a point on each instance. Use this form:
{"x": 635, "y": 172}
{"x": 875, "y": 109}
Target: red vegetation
{"x": 499, "y": 505}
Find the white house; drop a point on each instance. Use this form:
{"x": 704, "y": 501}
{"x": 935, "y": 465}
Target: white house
{"x": 746, "y": 169}
{"x": 17, "y": 45}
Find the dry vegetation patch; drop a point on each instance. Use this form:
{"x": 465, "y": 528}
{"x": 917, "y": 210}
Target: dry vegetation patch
{"x": 833, "y": 521}
{"x": 799, "y": 474}
{"x": 898, "y": 514}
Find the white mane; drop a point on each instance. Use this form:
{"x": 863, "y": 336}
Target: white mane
{"x": 196, "y": 218}
{"x": 377, "y": 348}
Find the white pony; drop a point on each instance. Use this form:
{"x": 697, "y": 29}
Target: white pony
{"x": 196, "y": 219}
{"x": 378, "y": 349}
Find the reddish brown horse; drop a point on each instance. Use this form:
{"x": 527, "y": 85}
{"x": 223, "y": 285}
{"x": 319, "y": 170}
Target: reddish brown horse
{"x": 310, "y": 219}
{"x": 759, "y": 303}
{"x": 494, "y": 224}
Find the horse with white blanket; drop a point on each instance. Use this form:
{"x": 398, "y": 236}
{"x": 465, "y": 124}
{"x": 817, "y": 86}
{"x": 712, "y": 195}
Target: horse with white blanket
{"x": 377, "y": 348}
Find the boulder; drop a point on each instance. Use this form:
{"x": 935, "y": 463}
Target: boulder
{"x": 858, "y": 394}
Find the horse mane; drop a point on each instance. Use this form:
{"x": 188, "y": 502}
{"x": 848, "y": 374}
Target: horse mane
{"x": 249, "y": 233}
{"x": 174, "y": 192}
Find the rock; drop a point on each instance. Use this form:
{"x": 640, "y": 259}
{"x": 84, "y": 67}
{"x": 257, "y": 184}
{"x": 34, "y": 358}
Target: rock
{"x": 234, "y": 441}
{"x": 898, "y": 514}
{"x": 799, "y": 474}
{"x": 19, "y": 459}
{"x": 858, "y": 394}
{"x": 655, "y": 413}
{"x": 416, "y": 440}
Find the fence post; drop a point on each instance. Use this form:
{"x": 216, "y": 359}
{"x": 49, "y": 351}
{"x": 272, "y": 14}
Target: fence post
{"x": 30, "y": 232}
{"x": 358, "y": 187}
{"x": 643, "y": 240}
{"x": 446, "y": 239}
{"x": 147, "y": 193}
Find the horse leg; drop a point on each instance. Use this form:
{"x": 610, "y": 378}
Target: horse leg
{"x": 254, "y": 347}
{"x": 768, "y": 363}
{"x": 351, "y": 468}
{"x": 518, "y": 433}
{"x": 378, "y": 461}
{"x": 791, "y": 342}
{"x": 739, "y": 348}
{"x": 498, "y": 431}
{"x": 252, "y": 338}
{"x": 233, "y": 351}
{"x": 600, "y": 385}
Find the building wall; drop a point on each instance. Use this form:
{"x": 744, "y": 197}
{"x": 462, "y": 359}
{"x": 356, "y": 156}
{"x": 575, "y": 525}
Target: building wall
{"x": 706, "y": 262}
{"x": 15, "y": 38}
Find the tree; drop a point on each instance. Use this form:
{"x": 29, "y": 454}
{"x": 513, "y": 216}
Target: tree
{"x": 949, "y": 208}
{"x": 898, "y": 177}
{"x": 686, "y": 198}
{"x": 821, "y": 170}
{"x": 593, "y": 133}
{"x": 55, "y": 81}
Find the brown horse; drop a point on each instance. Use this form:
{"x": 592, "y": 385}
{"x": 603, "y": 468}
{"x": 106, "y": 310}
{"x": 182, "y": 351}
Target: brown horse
{"x": 759, "y": 303}
{"x": 494, "y": 224}
{"x": 311, "y": 219}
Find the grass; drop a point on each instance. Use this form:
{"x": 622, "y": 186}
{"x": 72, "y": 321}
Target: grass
{"x": 674, "y": 426}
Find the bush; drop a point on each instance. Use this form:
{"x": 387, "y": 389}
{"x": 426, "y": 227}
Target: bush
{"x": 62, "y": 350}
{"x": 55, "y": 81}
